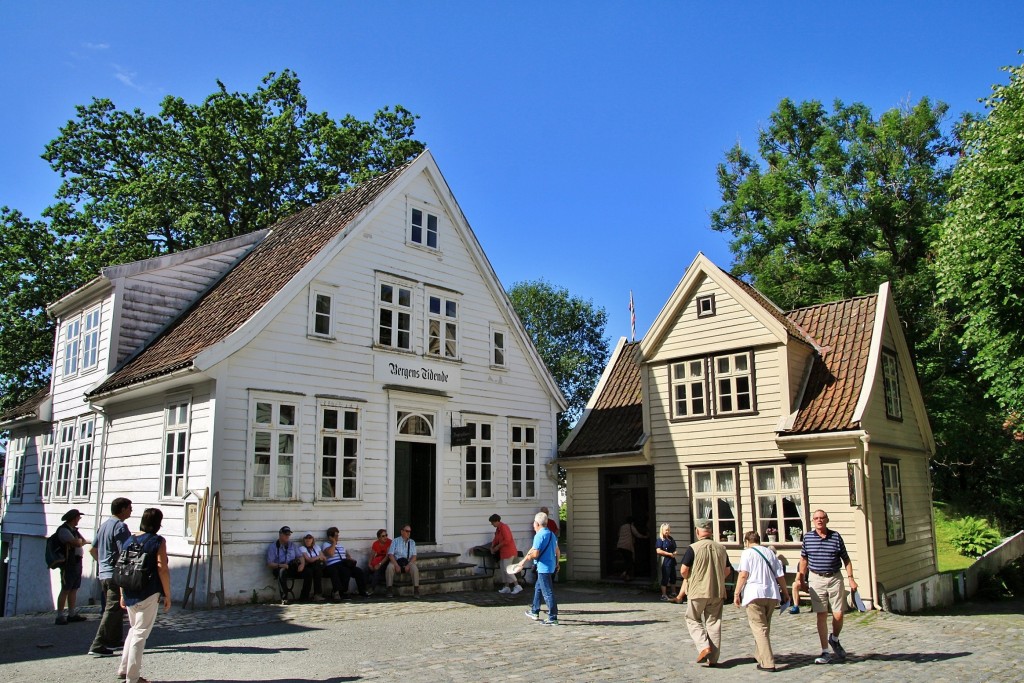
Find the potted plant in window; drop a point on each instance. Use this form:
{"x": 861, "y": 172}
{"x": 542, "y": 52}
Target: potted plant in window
{"x": 772, "y": 534}
{"x": 729, "y": 535}
{"x": 796, "y": 534}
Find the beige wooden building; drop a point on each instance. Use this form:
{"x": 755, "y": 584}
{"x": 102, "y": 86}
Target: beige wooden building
{"x": 732, "y": 409}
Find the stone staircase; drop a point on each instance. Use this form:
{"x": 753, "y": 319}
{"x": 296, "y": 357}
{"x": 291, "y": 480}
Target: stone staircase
{"x": 442, "y": 572}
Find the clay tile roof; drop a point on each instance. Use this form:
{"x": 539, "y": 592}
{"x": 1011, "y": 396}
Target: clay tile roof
{"x": 615, "y": 424}
{"x": 246, "y": 288}
{"x": 843, "y": 331}
{"x": 793, "y": 327}
{"x": 29, "y": 408}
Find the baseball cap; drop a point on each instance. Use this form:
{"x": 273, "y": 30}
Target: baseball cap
{"x": 703, "y": 523}
{"x": 286, "y": 530}
{"x": 309, "y": 536}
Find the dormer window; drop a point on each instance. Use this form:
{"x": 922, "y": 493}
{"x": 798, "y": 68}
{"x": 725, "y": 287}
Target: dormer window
{"x": 72, "y": 330}
{"x": 423, "y": 228}
{"x": 81, "y": 342}
{"x": 706, "y": 306}
{"x": 891, "y": 384}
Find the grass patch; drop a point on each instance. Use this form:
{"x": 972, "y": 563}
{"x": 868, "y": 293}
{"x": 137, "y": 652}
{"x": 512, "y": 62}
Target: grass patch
{"x": 949, "y": 559}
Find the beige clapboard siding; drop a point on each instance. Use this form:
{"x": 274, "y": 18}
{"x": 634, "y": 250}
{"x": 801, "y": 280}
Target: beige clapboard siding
{"x": 828, "y": 489}
{"x": 904, "y": 563}
{"x": 584, "y": 525}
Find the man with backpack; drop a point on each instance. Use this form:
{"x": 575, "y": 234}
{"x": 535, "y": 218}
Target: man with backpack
{"x": 71, "y": 569}
{"x": 110, "y": 535}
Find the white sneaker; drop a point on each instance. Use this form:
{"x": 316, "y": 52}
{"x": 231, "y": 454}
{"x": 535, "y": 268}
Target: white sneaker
{"x": 517, "y": 590}
{"x": 505, "y": 590}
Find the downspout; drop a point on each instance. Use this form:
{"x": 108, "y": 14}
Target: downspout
{"x": 100, "y": 477}
{"x": 869, "y": 523}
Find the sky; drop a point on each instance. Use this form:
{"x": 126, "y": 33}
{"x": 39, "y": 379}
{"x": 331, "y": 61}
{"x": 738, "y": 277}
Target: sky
{"x": 580, "y": 138}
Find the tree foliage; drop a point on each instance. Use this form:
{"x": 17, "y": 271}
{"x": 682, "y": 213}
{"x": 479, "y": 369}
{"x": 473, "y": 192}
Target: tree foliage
{"x": 981, "y": 252}
{"x": 569, "y": 335}
{"x": 136, "y": 185}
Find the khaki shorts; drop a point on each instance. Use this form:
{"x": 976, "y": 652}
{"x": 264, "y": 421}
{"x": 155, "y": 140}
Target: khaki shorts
{"x": 828, "y": 593}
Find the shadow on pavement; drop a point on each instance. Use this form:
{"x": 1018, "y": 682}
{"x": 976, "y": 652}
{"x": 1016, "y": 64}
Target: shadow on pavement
{"x": 224, "y": 650}
{"x": 336, "y": 679}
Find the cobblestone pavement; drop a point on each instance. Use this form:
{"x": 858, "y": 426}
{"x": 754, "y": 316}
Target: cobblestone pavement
{"x": 607, "y": 633}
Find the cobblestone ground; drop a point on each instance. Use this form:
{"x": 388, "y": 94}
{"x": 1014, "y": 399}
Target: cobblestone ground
{"x": 610, "y": 633}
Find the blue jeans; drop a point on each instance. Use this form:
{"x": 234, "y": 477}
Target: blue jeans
{"x": 668, "y": 573}
{"x": 545, "y": 587}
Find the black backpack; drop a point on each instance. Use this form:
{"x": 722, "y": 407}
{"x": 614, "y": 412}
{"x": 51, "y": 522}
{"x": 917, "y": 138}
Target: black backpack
{"x": 135, "y": 566}
{"x": 56, "y": 552}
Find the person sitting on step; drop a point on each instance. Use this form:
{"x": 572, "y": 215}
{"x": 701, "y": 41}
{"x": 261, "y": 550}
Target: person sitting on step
{"x": 341, "y": 568}
{"x": 402, "y": 560}
{"x": 284, "y": 561}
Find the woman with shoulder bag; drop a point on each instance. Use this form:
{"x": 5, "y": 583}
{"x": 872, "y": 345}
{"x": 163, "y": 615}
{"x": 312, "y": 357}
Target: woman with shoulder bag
{"x": 142, "y": 605}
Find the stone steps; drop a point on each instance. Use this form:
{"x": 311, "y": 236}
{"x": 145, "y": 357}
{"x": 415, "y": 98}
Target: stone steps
{"x": 442, "y": 572}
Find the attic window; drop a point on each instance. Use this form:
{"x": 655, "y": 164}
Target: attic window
{"x": 706, "y": 306}
{"x": 891, "y": 384}
{"x": 423, "y": 228}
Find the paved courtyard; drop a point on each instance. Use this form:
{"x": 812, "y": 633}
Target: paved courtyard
{"x": 607, "y": 633}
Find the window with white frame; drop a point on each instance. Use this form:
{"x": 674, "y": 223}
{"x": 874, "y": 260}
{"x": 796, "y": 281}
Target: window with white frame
{"x": 891, "y": 384}
{"x": 524, "y": 461}
{"x": 83, "y": 456}
{"x": 478, "y": 461}
{"x": 338, "y": 450}
{"x": 423, "y": 228}
{"x": 894, "y": 531}
{"x": 689, "y": 389}
{"x": 274, "y": 426}
{"x": 65, "y": 453}
{"x": 321, "y": 312}
{"x": 498, "y": 337}
{"x": 442, "y": 325}
{"x": 732, "y": 375}
{"x": 394, "y": 315}
{"x": 90, "y": 339}
{"x": 176, "y": 435}
{"x": 778, "y": 490}
{"x": 46, "y": 466}
{"x": 16, "y": 467}
{"x": 705, "y": 306}
{"x": 715, "y": 497}
{"x": 71, "y": 339}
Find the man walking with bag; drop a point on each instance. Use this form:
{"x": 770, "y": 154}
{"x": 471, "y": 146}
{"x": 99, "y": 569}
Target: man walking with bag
{"x": 109, "y": 537}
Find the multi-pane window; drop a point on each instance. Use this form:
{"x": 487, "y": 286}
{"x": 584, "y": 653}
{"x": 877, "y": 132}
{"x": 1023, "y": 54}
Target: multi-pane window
{"x": 524, "y": 461}
{"x": 714, "y": 498}
{"x": 732, "y": 375}
{"x": 478, "y": 460}
{"x": 394, "y": 316}
{"x": 176, "y": 432}
{"x": 423, "y": 228}
{"x": 689, "y": 389}
{"x": 83, "y": 456}
{"x": 91, "y": 339}
{"x": 16, "y": 466}
{"x": 274, "y": 432}
{"x": 442, "y": 326}
{"x": 778, "y": 490}
{"x": 339, "y": 451}
{"x": 46, "y": 466}
{"x": 894, "y": 531}
{"x": 72, "y": 330}
{"x": 497, "y": 347}
{"x": 891, "y": 384}
{"x": 65, "y": 451}
{"x": 321, "y": 313}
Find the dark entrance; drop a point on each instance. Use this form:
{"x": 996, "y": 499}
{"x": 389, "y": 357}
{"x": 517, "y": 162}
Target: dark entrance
{"x": 415, "y": 465}
{"x": 627, "y": 492}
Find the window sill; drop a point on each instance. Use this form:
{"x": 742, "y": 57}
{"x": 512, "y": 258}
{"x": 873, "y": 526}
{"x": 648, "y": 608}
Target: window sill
{"x": 321, "y": 337}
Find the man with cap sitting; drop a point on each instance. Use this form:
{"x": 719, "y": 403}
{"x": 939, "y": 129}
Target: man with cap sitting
{"x": 71, "y": 570}
{"x": 705, "y": 566}
{"x": 285, "y": 560}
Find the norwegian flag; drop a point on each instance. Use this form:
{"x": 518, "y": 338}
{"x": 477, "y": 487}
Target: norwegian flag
{"x": 632, "y": 318}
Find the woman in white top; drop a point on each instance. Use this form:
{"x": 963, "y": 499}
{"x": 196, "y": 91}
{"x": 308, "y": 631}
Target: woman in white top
{"x": 761, "y": 582}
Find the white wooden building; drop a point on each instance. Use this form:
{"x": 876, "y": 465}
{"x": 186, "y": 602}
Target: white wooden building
{"x": 311, "y": 373}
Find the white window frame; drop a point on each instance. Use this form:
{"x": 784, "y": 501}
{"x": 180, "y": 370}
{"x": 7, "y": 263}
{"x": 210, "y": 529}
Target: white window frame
{"x": 16, "y": 467}
{"x": 706, "y": 503}
{"x": 775, "y": 484}
{"x": 277, "y": 431}
{"x": 442, "y": 325}
{"x": 688, "y": 378}
{"x": 891, "y": 385}
{"x": 395, "y": 310}
{"x": 705, "y": 305}
{"x": 425, "y": 232}
{"x": 316, "y": 292}
{"x": 65, "y": 453}
{"x": 734, "y": 379}
{"x": 478, "y": 462}
{"x": 71, "y": 339}
{"x": 348, "y": 450}
{"x": 499, "y": 346}
{"x": 90, "y": 339}
{"x": 46, "y": 464}
{"x": 523, "y": 460}
{"x": 176, "y": 448}
{"x": 892, "y": 492}
{"x": 85, "y": 439}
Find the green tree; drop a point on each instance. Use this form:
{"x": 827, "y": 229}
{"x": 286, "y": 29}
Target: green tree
{"x": 137, "y": 185}
{"x": 569, "y": 335}
{"x": 981, "y": 250}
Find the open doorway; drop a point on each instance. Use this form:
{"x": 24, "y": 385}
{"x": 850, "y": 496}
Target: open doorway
{"x": 626, "y": 492}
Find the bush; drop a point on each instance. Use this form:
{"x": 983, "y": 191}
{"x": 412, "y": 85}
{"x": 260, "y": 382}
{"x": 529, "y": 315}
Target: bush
{"x": 973, "y": 537}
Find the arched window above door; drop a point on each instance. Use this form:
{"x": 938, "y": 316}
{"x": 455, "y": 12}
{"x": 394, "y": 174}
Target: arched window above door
{"x": 415, "y": 424}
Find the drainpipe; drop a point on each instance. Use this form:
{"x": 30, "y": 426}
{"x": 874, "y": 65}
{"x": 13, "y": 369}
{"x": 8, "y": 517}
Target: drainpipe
{"x": 100, "y": 478}
{"x": 869, "y": 522}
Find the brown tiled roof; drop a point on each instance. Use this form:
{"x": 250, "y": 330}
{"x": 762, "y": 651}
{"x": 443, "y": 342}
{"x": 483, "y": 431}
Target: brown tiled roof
{"x": 615, "y": 424}
{"x": 843, "y": 331}
{"x": 27, "y": 408}
{"x": 247, "y": 287}
{"x": 793, "y": 328}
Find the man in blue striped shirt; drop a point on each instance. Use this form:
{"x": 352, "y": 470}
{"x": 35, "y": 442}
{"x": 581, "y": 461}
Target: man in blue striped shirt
{"x": 821, "y": 559}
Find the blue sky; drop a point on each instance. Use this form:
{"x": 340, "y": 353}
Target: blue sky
{"x": 580, "y": 138}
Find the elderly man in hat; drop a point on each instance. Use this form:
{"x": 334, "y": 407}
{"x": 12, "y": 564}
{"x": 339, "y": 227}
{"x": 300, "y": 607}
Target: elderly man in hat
{"x": 71, "y": 570}
{"x": 705, "y": 566}
{"x": 284, "y": 560}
